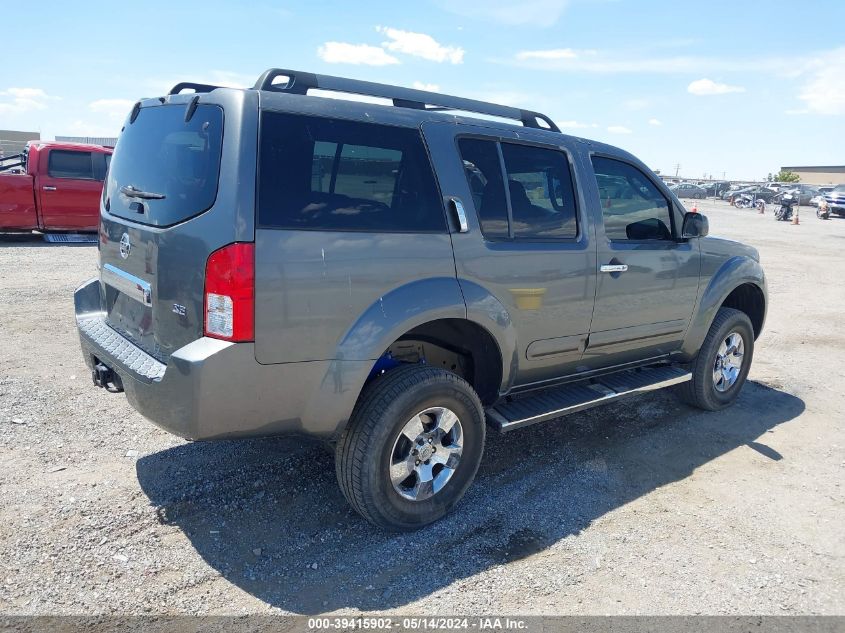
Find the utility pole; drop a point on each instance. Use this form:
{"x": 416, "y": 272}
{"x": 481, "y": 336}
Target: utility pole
{"x": 677, "y": 169}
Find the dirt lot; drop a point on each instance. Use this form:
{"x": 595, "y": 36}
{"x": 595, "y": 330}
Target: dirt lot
{"x": 646, "y": 507}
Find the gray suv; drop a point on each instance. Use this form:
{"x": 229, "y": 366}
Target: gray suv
{"x": 392, "y": 279}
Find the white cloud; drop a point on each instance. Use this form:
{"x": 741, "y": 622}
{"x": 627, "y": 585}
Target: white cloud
{"x": 13, "y": 100}
{"x": 636, "y": 104}
{"x": 542, "y": 13}
{"x": 87, "y": 128}
{"x": 622, "y": 62}
{"x": 420, "y": 45}
{"x": 344, "y": 53}
{"x": 706, "y": 87}
{"x": 824, "y": 91}
{"x": 115, "y": 109}
{"x": 654, "y": 122}
{"x": 419, "y": 85}
{"x": 553, "y": 53}
{"x": 618, "y": 129}
{"x": 575, "y": 125}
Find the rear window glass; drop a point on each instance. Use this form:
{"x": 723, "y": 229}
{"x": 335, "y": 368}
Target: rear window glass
{"x": 165, "y": 170}
{"x": 70, "y": 164}
{"x": 332, "y": 175}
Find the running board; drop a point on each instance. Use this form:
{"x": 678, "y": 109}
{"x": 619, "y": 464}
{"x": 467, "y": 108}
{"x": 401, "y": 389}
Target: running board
{"x": 573, "y": 397}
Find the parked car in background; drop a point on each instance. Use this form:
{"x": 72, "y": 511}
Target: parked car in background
{"x": 733, "y": 190}
{"x": 802, "y": 193}
{"x": 688, "y": 190}
{"x": 836, "y": 200}
{"x": 757, "y": 191}
{"x": 716, "y": 188}
{"x": 824, "y": 190}
{"x": 59, "y": 189}
{"x": 388, "y": 279}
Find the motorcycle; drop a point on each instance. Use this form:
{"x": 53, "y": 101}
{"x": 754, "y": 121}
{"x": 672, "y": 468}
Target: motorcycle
{"x": 787, "y": 201}
{"x": 823, "y": 210}
{"x": 744, "y": 201}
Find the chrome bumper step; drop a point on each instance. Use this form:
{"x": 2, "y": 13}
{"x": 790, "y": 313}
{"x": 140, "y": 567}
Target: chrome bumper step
{"x": 559, "y": 401}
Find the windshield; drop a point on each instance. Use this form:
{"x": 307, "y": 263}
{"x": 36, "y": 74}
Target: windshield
{"x": 165, "y": 170}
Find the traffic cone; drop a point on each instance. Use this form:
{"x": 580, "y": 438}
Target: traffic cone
{"x": 795, "y": 216}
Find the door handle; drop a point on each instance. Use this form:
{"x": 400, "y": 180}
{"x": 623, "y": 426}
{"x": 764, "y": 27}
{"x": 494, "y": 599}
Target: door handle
{"x": 48, "y": 188}
{"x": 614, "y": 268}
{"x": 460, "y": 214}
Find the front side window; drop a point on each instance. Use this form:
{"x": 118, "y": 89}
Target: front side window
{"x": 334, "y": 175}
{"x": 632, "y": 206}
{"x": 70, "y": 164}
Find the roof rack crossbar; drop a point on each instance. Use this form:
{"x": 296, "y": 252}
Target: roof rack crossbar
{"x": 300, "y": 82}
{"x": 188, "y": 85}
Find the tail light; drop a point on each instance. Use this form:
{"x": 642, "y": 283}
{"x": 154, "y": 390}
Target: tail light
{"x": 230, "y": 293}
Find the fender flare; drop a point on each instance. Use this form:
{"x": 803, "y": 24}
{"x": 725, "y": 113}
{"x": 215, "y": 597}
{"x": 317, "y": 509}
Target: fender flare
{"x": 733, "y": 273}
{"x": 387, "y": 319}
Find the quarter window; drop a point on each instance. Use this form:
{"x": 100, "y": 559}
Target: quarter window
{"x": 632, "y": 206}
{"x": 70, "y": 164}
{"x": 484, "y": 176}
{"x": 334, "y": 175}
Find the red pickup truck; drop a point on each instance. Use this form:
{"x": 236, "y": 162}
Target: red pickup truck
{"x": 53, "y": 186}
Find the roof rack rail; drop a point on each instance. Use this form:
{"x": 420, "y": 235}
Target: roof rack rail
{"x": 300, "y": 82}
{"x": 188, "y": 85}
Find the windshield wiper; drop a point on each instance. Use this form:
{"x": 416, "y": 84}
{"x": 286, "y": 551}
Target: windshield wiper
{"x": 132, "y": 192}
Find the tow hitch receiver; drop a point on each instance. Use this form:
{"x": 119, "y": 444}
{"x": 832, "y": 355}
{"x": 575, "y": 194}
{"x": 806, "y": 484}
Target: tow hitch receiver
{"x": 104, "y": 377}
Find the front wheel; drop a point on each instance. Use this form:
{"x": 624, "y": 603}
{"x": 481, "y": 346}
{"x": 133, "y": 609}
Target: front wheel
{"x": 721, "y": 367}
{"x": 412, "y": 447}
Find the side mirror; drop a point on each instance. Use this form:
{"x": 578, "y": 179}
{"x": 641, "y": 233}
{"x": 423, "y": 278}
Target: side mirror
{"x": 695, "y": 225}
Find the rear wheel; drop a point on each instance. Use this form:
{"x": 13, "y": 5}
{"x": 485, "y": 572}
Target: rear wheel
{"x": 721, "y": 367}
{"x": 412, "y": 447}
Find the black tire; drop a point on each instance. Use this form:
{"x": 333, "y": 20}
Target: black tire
{"x": 701, "y": 391}
{"x": 363, "y": 456}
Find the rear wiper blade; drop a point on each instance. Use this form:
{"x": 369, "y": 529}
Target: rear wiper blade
{"x": 132, "y": 192}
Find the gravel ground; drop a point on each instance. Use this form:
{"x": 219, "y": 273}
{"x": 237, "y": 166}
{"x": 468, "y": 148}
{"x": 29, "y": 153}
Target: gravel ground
{"x": 646, "y": 507}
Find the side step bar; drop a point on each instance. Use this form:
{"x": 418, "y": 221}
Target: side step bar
{"x": 573, "y": 397}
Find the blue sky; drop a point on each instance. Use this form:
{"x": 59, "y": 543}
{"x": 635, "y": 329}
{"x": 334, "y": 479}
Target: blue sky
{"x": 734, "y": 87}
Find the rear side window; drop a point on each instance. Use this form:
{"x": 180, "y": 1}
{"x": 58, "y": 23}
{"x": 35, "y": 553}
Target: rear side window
{"x": 540, "y": 187}
{"x": 632, "y": 206}
{"x": 333, "y": 175}
{"x": 70, "y": 164}
{"x": 164, "y": 155}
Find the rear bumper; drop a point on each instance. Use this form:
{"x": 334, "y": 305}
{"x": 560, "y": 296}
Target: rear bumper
{"x": 212, "y": 389}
